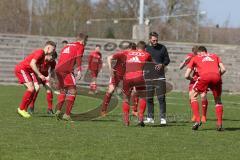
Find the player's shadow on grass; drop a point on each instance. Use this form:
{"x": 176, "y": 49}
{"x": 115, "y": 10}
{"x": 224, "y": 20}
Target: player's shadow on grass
{"x": 227, "y": 129}
{"x": 168, "y": 125}
{"x": 225, "y": 119}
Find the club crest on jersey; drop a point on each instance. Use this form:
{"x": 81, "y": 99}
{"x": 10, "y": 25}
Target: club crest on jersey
{"x": 134, "y": 59}
{"x": 207, "y": 59}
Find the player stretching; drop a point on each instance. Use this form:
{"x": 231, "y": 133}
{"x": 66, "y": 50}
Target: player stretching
{"x": 116, "y": 75}
{"x": 45, "y": 68}
{"x": 133, "y": 77}
{"x": 192, "y": 82}
{"x": 94, "y": 66}
{"x": 210, "y": 69}
{"x": 70, "y": 55}
{"x": 29, "y": 66}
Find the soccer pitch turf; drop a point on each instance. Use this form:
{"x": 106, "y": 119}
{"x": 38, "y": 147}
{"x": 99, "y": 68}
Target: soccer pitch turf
{"x": 42, "y": 137}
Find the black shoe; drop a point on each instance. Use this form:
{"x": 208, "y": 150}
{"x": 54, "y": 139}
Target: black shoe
{"x": 141, "y": 124}
{"x": 30, "y": 110}
{"x": 219, "y": 128}
{"x": 50, "y": 112}
{"x": 196, "y": 126}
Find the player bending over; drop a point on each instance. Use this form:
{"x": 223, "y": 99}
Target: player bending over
{"x": 133, "y": 77}
{"x": 70, "y": 56}
{"x": 29, "y": 66}
{"x": 210, "y": 69}
{"x": 116, "y": 75}
{"x": 192, "y": 82}
{"x": 47, "y": 67}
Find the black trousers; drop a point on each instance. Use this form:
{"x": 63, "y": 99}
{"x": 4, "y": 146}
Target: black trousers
{"x": 157, "y": 87}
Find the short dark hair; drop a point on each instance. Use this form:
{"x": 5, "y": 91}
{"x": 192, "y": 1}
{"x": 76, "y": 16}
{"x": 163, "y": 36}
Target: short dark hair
{"x": 202, "y": 49}
{"x": 51, "y": 43}
{"x": 194, "y": 49}
{"x": 132, "y": 46}
{"x": 82, "y": 36}
{"x": 141, "y": 45}
{"x": 98, "y": 45}
{"x": 64, "y": 41}
{"x": 153, "y": 34}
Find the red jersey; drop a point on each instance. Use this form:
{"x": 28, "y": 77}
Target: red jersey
{"x": 38, "y": 55}
{"x": 134, "y": 62}
{"x": 70, "y": 56}
{"x": 188, "y": 58}
{"x": 44, "y": 68}
{"x": 95, "y": 61}
{"x": 205, "y": 63}
{"x": 119, "y": 67}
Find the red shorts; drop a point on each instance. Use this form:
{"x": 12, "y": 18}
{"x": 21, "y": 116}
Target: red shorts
{"x": 212, "y": 81}
{"x": 115, "y": 79}
{"x": 65, "y": 80}
{"x": 94, "y": 73}
{"x": 23, "y": 76}
{"x": 137, "y": 82}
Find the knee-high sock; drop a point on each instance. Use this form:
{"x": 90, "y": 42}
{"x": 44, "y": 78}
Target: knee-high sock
{"x": 26, "y": 100}
{"x": 49, "y": 98}
{"x": 134, "y": 102}
{"x": 125, "y": 110}
{"x": 69, "y": 103}
{"x": 195, "y": 109}
{"x": 204, "y": 107}
{"x": 142, "y": 108}
{"x": 32, "y": 104}
{"x": 60, "y": 100}
{"x": 106, "y": 101}
{"x": 219, "y": 113}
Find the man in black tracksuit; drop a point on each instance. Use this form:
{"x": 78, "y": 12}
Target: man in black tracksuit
{"x": 156, "y": 78}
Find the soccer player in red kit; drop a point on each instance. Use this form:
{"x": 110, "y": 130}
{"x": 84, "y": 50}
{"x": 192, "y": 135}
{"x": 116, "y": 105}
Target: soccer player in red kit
{"x": 116, "y": 75}
{"x": 133, "y": 77}
{"x": 47, "y": 67}
{"x": 94, "y": 66}
{"x": 29, "y": 66}
{"x": 192, "y": 82}
{"x": 70, "y": 56}
{"x": 210, "y": 69}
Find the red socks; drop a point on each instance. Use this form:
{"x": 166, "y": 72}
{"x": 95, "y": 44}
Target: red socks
{"x": 135, "y": 102}
{"x": 69, "y": 103}
{"x": 219, "y": 113}
{"x": 60, "y": 101}
{"x": 204, "y": 107}
{"x": 142, "y": 108}
{"x": 125, "y": 110}
{"x": 31, "y": 105}
{"x": 195, "y": 109}
{"x": 26, "y": 100}
{"x": 49, "y": 97}
{"x": 106, "y": 101}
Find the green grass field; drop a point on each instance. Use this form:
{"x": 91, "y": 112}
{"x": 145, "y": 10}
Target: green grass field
{"x": 43, "y": 138}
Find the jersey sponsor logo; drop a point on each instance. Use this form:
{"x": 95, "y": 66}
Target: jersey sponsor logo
{"x": 66, "y": 50}
{"x": 134, "y": 59}
{"x": 207, "y": 59}
{"x": 136, "y": 54}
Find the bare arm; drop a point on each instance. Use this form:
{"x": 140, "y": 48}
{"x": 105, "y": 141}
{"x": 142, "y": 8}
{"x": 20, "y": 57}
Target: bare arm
{"x": 188, "y": 74}
{"x": 222, "y": 68}
{"x": 184, "y": 63}
{"x": 109, "y": 61}
{"x": 35, "y": 69}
